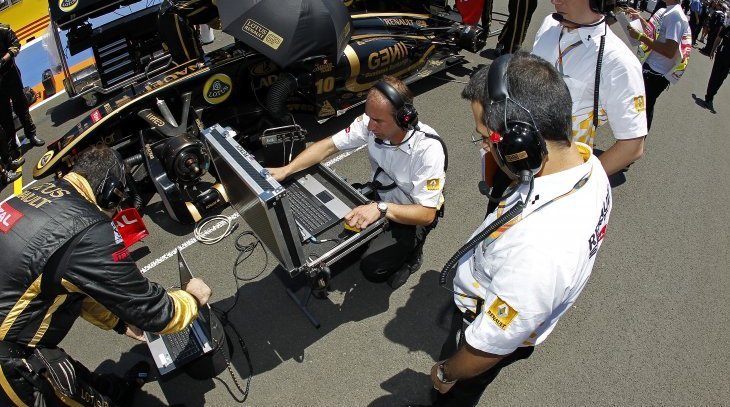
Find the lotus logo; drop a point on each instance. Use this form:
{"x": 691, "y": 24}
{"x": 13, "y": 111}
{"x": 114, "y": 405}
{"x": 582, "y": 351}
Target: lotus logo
{"x": 45, "y": 159}
{"x": 217, "y": 89}
{"x": 67, "y": 5}
{"x": 503, "y": 311}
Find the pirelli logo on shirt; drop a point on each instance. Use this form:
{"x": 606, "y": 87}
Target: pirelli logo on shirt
{"x": 433, "y": 184}
{"x": 639, "y": 103}
{"x": 501, "y": 313}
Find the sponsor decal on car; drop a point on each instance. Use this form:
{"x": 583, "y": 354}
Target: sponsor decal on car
{"x": 217, "y": 88}
{"x": 67, "y": 6}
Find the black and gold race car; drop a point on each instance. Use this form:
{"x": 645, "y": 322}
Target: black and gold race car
{"x": 155, "y": 125}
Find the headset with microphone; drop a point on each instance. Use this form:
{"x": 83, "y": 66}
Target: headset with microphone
{"x": 520, "y": 151}
{"x": 604, "y": 7}
{"x": 112, "y": 190}
{"x": 406, "y": 115}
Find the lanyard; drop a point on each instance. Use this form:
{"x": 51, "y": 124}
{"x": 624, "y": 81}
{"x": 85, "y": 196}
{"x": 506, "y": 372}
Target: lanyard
{"x": 500, "y": 211}
{"x": 562, "y": 53}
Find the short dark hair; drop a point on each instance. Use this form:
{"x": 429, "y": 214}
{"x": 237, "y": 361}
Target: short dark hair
{"x": 96, "y": 162}
{"x": 536, "y": 85}
{"x": 476, "y": 89}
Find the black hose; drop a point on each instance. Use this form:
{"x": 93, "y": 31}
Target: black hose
{"x": 134, "y": 196}
{"x": 597, "y": 83}
{"x": 498, "y": 223}
{"x": 133, "y": 160}
{"x": 279, "y": 92}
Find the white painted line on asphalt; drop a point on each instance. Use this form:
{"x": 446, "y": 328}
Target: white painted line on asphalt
{"x": 47, "y": 100}
{"x": 184, "y": 245}
{"x": 24, "y": 187}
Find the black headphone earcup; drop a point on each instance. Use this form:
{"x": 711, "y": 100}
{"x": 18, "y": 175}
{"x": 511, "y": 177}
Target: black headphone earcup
{"x": 522, "y": 148}
{"x": 407, "y": 117}
{"x": 111, "y": 194}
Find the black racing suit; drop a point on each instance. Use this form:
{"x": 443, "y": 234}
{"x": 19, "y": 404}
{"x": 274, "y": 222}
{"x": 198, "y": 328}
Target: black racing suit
{"x": 176, "y": 20}
{"x": 63, "y": 258}
{"x": 11, "y": 88}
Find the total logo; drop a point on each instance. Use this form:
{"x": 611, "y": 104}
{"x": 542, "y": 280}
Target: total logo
{"x": 217, "y": 88}
{"x": 67, "y": 6}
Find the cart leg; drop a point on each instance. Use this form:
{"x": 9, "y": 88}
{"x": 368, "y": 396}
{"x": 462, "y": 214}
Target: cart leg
{"x": 303, "y": 305}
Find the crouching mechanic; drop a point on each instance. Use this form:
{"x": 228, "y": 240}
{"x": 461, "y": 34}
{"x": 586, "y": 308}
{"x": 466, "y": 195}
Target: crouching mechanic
{"x": 408, "y": 161}
{"x": 514, "y": 285}
{"x": 63, "y": 258}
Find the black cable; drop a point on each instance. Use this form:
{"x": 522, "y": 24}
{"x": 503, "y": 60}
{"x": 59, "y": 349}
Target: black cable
{"x": 244, "y": 252}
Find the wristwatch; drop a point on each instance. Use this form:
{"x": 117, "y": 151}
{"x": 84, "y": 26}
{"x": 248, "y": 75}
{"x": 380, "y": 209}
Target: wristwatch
{"x": 383, "y": 208}
{"x": 440, "y": 375}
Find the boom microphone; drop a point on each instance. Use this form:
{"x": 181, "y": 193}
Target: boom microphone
{"x": 559, "y": 17}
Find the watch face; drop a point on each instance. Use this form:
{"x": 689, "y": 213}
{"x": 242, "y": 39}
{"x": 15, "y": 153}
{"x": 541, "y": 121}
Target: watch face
{"x": 382, "y": 207}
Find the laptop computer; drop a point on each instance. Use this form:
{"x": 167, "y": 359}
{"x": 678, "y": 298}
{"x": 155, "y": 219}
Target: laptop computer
{"x": 171, "y": 351}
{"x": 315, "y": 208}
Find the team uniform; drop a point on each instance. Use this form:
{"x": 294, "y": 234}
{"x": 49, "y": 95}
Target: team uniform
{"x": 621, "y": 100}
{"x": 532, "y": 272}
{"x": 672, "y": 25}
{"x": 176, "y": 20}
{"x": 63, "y": 258}
{"x": 411, "y": 173}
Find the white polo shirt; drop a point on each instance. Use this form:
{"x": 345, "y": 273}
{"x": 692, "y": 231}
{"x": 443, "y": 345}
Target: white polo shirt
{"x": 534, "y": 272}
{"x": 416, "y": 166}
{"x": 621, "y": 99}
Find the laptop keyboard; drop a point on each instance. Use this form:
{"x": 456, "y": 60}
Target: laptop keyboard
{"x": 182, "y": 344}
{"x": 307, "y": 211}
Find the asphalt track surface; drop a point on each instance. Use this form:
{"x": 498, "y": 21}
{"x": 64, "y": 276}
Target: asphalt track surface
{"x": 649, "y": 329}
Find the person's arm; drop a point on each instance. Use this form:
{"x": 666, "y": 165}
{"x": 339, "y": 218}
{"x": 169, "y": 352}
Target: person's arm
{"x": 466, "y": 363}
{"x": 621, "y": 154}
{"x": 312, "y": 155}
{"x": 101, "y": 268}
{"x": 414, "y": 214}
{"x": 667, "y": 48}
{"x": 718, "y": 40}
{"x": 14, "y": 45}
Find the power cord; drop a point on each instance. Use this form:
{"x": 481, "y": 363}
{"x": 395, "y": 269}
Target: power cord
{"x": 204, "y": 238}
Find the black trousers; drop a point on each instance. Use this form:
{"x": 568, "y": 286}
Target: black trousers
{"x": 388, "y": 252}
{"x": 695, "y": 25}
{"x": 4, "y": 148}
{"x": 487, "y": 15}
{"x": 92, "y": 389}
{"x": 11, "y": 89}
{"x": 468, "y": 392}
{"x": 720, "y": 69}
{"x": 513, "y": 32}
{"x": 654, "y": 84}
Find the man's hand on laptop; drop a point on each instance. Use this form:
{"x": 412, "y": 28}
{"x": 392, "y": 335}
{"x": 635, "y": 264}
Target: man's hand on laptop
{"x": 135, "y": 333}
{"x": 362, "y": 216}
{"x": 199, "y": 290}
{"x": 279, "y": 173}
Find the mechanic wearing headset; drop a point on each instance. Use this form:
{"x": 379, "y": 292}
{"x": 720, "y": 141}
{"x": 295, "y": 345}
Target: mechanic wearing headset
{"x": 409, "y": 163}
{"x": 63, "y": 258}
{"x": 176, "y": 20}
{"x": 514, "y": 282}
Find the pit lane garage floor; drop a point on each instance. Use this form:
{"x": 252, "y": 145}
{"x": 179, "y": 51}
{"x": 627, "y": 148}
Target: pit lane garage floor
{"x": 649, "y": 328}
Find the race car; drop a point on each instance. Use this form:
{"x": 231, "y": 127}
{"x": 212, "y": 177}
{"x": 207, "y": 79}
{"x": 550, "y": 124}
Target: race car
{"x": 156, "y": 125}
